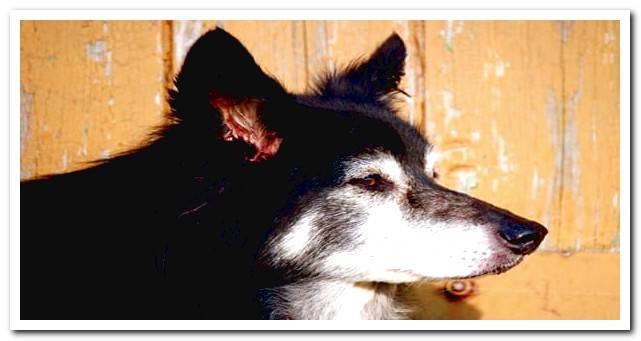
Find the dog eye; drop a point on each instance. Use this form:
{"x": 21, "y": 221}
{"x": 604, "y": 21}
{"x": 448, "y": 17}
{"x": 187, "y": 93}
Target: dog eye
{"x": 372, "y": 182}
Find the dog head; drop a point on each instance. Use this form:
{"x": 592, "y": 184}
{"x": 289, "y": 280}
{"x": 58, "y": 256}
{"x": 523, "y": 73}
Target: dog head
{"x": 354, "y": 190}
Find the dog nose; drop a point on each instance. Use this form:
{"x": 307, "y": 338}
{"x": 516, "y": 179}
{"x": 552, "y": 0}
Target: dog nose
{"x": 522, "y": 237}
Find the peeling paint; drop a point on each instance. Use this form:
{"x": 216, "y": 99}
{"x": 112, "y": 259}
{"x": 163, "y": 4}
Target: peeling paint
{"x": 593, "y": 131}
{"x": 608, "y": 58}
{"x": 322, "y": 53}
{"x": 450, "y": 111}
{"x": 496, "y": 67}
{"x": 609, "y": 37}
{"x": 99, "y": 53}
{"x": 431, "y": 128}
{"x": 495, "y": 131}
{"x": 65, "y": 160}
{"x": 503, "y": 160}
{"x": 565, "y": 28}
{"x": 26, "y": 110}
{"x": 186, "y": 32}
{"x": 616, "y": 241}
{"x": 105, "y": 154}
{"x": 495, "y": 99}
{"x": 96, "y": 50}
{"x": 475, "y": 136}
{"x": 536, "y": 183}
{"x": 495, "y": 185}
{"x": 571, "y": 147}
{"x": 85, "y": 141}
{"x": 466, "y": 179}
{"x": 451, "y": 29}
{"x": 571, "y": 154}
{"x": 445, "y": 67}
{"x": 553, "y": 117}
{"x": 27, "y": 172}
{"x": 108, "y": 66}
{"x": 500, "y": 67}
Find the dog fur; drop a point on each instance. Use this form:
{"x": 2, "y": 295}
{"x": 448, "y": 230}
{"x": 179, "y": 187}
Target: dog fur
{"x": 253, "y": 202}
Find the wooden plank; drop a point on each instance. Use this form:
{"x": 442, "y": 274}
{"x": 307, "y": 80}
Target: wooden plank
{"x": 590, "y": 177}
{"x": 582, "y": 286}
{"x": 88, "y": 90}
{"x": 490, "y": 111}
{"x": 525, "y": 114}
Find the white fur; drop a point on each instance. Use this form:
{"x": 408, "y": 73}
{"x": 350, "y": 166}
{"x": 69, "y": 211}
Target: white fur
{"x": 393, "y": 249}
{"x": 383, "y": 164}
{"x": 335, "y": 299}
{"x": 293, "y": 242}
{"x": 351, "y": 301}
{"x": 389, "y": 246}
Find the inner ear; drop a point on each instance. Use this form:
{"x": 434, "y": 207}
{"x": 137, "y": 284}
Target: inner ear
{"x": 242, "y": 120}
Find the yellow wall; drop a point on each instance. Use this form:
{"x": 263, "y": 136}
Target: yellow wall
{"x": 525, "y": 114}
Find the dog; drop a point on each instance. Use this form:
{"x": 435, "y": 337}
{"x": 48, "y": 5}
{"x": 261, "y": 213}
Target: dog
{"x": 252, "y": 202}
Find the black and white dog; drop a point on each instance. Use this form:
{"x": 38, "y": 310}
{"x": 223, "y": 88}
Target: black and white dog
{"x": 253, "y": 202}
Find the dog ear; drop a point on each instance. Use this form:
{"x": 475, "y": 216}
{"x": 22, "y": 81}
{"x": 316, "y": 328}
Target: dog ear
{"x": 372, "y": 79}
{"x": 220, "y": 82}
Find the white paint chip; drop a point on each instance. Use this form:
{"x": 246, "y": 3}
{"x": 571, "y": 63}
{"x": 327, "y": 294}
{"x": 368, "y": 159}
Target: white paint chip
{"x": 466, "y": 180}
{"x": 502, "y": 155}
{"x": 96, "y": 50}
{"x": 475, "y": 136}
{"x": 65, "y": 160}
{"x": 105, "y": 154}
{"x": 186, "y": 32}
{"x": 450, "y": 111}
{"x": 451, "y": 29}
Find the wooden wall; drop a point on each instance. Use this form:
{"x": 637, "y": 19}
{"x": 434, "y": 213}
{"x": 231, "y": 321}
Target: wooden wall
{"x": 525, "y": 115}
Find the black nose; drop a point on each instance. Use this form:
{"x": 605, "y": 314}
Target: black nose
{"x": 522, "y": 236}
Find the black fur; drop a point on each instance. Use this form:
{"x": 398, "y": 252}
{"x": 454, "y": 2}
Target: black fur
{"x": 176, "y": 228}
{"x": 172, "y": 229}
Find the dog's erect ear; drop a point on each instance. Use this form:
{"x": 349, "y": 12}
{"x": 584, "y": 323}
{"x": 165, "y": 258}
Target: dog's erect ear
{"x": 219, "y": 79}
{"x": 372, "y": 79}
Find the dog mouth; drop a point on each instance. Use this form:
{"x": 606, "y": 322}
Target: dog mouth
{"x": 502, "y": 267}
{"x": 499, "y": 268}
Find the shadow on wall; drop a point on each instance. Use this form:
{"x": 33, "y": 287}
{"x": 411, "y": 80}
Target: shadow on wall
{"x": 435, "y": 301}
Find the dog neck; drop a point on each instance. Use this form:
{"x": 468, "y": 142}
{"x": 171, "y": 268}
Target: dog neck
{"x": 332, "y": 299}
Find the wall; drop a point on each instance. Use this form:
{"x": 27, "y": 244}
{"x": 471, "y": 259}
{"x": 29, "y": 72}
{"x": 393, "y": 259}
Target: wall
{"x": 525, "y": 115}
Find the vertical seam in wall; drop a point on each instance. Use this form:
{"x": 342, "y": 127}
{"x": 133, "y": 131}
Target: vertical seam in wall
{"x": 421, "y": 116}
{"x": 561, "y": 187}
{"x": 305, "y": 56}
{"x": 167, "y": 38}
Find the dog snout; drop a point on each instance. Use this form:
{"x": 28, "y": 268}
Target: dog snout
{"x": 521, "y": 236}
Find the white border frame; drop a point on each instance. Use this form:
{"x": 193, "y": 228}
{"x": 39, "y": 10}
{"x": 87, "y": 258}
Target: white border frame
{"x": 625, "y": 142}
